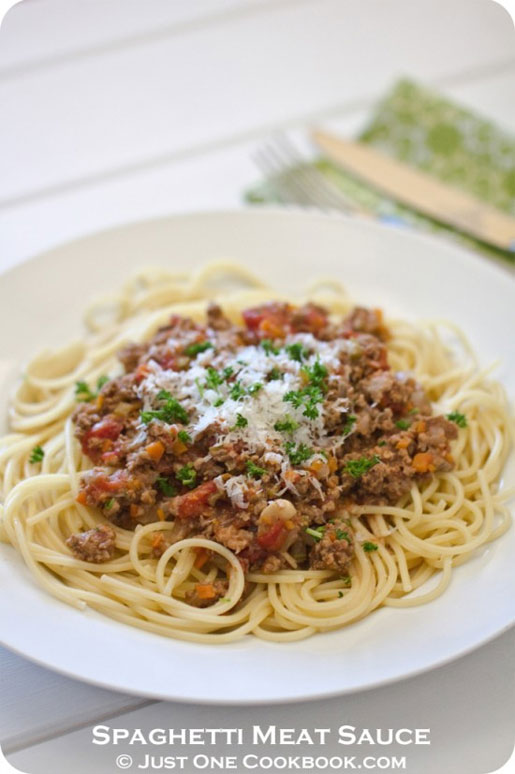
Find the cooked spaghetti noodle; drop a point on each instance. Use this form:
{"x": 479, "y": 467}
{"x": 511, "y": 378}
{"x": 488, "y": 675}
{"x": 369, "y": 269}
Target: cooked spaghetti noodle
{"x": 396, "y": 546}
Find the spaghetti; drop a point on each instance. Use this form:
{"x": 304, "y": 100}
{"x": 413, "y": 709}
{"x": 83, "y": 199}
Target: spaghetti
{"x": 397, "y": 546}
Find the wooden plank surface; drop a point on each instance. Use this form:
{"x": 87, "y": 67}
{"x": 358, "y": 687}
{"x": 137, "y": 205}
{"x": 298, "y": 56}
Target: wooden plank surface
{"x": 207, "y": 179}
{"x": 114, "y": 110}
{"x": 49, "y": 33}
{"x": 37, "y": 703}
{"x": 468, "y": 718}
{"x": 136, "y": 106}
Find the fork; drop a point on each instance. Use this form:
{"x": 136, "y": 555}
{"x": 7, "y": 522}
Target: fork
{"x": 297, "y": 181}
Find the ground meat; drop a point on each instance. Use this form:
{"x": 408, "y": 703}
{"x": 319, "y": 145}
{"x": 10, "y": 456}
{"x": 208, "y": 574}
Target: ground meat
{"x": 130, "y": 356}
{"x": 196, "y": 598}
{"x": 216, "y": 318}
{"x": 233, "y": 537}
{"x": 366, "y": 320}
{"x": 439, "y": 431}
{"x": 334, "y": 551}
{"x": 272, "y": 564}
{"x": 157, "y": 460}
{"x": 96, "y": 545}
{"x": 386, "y": 481}
{"x": 388, "y": 389}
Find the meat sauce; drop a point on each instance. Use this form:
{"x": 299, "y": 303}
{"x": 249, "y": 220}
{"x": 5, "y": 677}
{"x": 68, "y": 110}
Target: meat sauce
{"x": 259, "y": 436}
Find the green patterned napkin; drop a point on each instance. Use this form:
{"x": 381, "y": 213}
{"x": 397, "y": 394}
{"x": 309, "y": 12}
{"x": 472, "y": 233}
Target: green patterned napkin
{"x": 428, "y": 131}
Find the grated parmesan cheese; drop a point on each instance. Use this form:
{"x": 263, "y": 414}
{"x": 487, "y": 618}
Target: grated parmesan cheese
{"x": 218, "y": 411}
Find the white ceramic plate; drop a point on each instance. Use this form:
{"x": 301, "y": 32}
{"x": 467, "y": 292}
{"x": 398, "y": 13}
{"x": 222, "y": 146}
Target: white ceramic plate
{"x": 40, "y": 305}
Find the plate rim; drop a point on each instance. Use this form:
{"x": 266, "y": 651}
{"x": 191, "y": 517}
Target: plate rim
{"x": 499, "y": 272}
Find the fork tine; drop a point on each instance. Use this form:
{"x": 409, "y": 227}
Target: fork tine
{"x": 298, "y": 180}
{"x": 326, "y": 191}
{"x": 268, "y": 165}
{"x": 283, "y": 171}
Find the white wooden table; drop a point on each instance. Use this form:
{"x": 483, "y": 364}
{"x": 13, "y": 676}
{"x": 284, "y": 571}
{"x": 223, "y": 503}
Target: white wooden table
{"x": 115, "y": 110}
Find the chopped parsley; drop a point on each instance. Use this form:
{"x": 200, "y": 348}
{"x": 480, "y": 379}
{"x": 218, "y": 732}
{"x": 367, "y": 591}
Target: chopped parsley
{"x": 195, "y": 349}
{"x": 368, "y": 546}
{"x": 316, "y": 373}
{"x": 214, "y": 380}
{"x": 269, "y": 347}
{"x": 101, "y": 381}
{"x": 183, "y": 436}
{"x": 218, "y": 402}
{"x": 254, "y": 388}
{"x": 342, "y": 534}
{"x": 459, "y": 419}
{"x": 83, "y": 392}
{"x": 311, "y": 395}
{"x": 170, "y": 411}
{"x": 165, "y": 486}
{"x": 200, "y": 388}
{"x": 254, "y": 470}
{"x": 187, "y": 475}
{"x": 381, "y": 443}
{"x": 109, "y": 504}
{"x": 297, "y": 352}
{"x": 288, "y": 425}
{"x": 227, "y": 372}
{"x": 308, "y": 397}
{"x": 274, "y": 374}
{"x": 349, "y": 423}
{"x": 36, "y": 455}
{"x": 413, "y": 411}
{"x": 347, "y": 581}
{"x": 317, "y": 534}
{"x": 237, "y": 391}
{"x": 357, "y": 468}
{"x": 403, "y": 424}
{"x": 340, "y": 594}
{"x": 241, "y": 421}
{"x": 298, "y": 455}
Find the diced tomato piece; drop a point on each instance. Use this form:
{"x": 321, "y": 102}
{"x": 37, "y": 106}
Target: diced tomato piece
{"x": 253, "y": 317}
{"x": 309, "y": 318}
{"x": 193, "y": 503}
{"x": 168, "y": 361}
{"x": 270, "y": 321}
{"x": 141, "y": 372}
{"x": 104, "y": 483}
{"x": 108, "y": 428}
{"x": 274, "y": 537}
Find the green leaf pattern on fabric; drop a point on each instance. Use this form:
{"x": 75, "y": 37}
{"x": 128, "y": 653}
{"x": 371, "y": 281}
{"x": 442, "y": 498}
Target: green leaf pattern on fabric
{"x": 432, "y": 133}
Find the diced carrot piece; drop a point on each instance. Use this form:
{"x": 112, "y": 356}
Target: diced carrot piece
{"x": 403, "y": 443}
{"x": 333, "y": 464}
{"x": 157, "y": 539}
{"x": 160, "y": 514}
{"x": 155, "y": 450}
{"x": 100, "y": 401}
{"x": 205, "y": 590}
{"x": 201, "y": 559}
{"x": 134, "y": 510}
{"x": 178, "y": 447}
{"x": 81, "y": 497}
{"x": 142, "y": 371}
{"x": 420, "y": 426}
{"x": 271, "y": 329}
{"x": 422, "y": 462}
